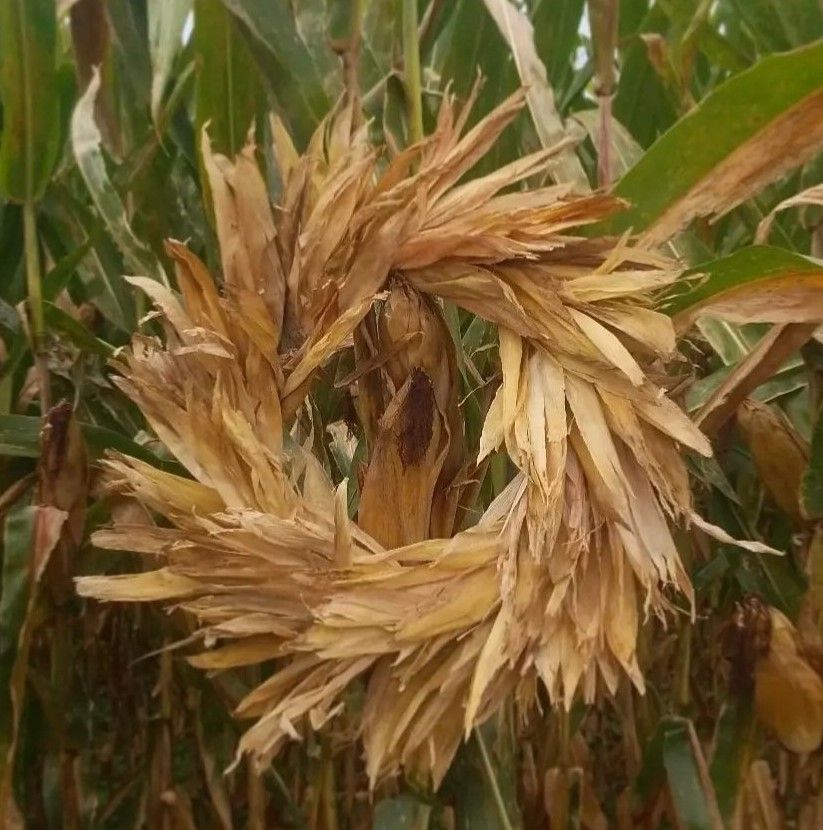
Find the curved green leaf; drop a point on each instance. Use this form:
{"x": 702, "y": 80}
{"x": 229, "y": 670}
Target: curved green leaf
{"x": 724, "y": 151}
{"x": 29, "y": 90}
{"x": 759, "y": 284}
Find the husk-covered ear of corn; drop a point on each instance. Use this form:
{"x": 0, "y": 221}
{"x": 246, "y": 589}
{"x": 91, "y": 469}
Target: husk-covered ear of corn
{"x": 439, "y": 618}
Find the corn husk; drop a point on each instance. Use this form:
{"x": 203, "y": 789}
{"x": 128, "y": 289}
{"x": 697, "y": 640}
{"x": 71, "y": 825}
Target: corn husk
{"x": 553, "y": 581}
{"x": 788, "y": 691}
{"x": 780, "y": 454}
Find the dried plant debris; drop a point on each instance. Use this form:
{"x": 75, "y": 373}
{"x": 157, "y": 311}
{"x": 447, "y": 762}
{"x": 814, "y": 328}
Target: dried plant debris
{"x": 441, "y": 624}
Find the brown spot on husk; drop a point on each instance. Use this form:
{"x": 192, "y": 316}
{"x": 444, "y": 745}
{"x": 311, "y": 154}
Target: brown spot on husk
{"x": 415, "y": 429}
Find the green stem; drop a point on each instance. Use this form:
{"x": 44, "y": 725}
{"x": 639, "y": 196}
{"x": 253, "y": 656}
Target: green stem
{"x": 411, "y": 71}
{"x": 35, "y": 291}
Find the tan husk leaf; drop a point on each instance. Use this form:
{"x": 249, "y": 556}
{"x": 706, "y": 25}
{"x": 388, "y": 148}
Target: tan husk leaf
{"x": 779, "y": 452}
{"x": 783, "y": 674}
{"x": 258, "y": 546}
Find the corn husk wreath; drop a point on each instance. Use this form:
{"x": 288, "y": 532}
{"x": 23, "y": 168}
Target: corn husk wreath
{"x": 441, "y": 623}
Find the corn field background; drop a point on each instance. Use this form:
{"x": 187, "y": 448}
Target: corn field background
{"x": 410, "y": 414}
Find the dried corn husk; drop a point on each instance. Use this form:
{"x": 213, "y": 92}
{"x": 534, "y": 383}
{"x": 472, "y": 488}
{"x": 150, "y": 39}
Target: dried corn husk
{"x": 788, "y": 691}
{"x": 780, "y": 454}
{"x": 554, "y": 579}
{"x": 418, "y": 448}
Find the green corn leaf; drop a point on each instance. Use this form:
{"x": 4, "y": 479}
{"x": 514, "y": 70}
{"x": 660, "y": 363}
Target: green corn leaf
{"x": 228, "y": 92}
{"x": 20, "y": 437}
{"x": 29, "y": 92}
{"x": 759, "y": 284}
{"x": 556, "y": 36}
{"x": 59, "y": 276}
{"x": 722, "y": 152}
{"x": 287, "y": 66}
{"x": 692, "y": 794}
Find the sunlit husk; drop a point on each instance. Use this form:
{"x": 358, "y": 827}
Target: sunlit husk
{"x": 553, "y": 581}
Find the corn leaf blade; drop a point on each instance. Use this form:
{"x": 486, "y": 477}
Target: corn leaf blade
{"x": 725, "y": 146}
{"x": 28, "y": 88}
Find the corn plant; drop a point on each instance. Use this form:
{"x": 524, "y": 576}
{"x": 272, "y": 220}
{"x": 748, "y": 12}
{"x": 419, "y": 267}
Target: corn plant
{"x": 409, "y": 414}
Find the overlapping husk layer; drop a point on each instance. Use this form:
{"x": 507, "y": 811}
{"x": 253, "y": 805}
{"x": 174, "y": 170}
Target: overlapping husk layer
{"x": 441, "y": 622}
